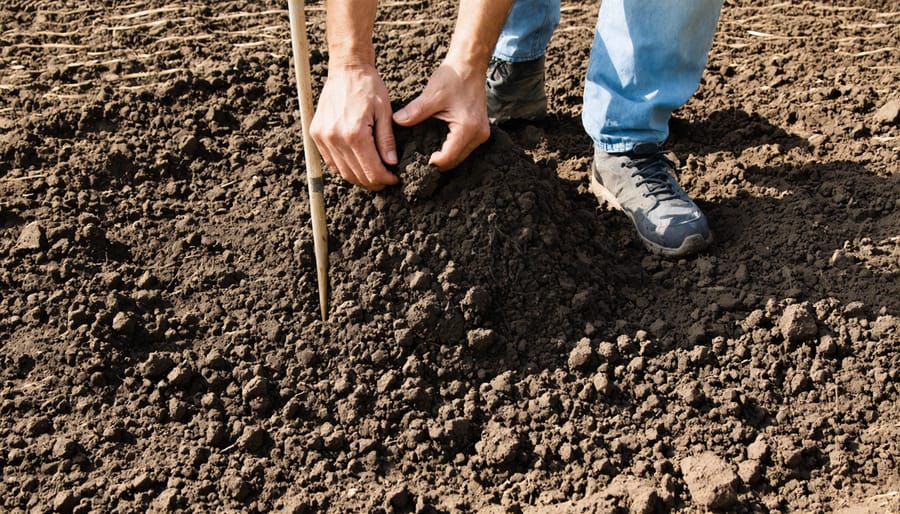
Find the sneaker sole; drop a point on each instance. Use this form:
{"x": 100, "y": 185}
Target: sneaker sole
{"x": 691, "y": 245}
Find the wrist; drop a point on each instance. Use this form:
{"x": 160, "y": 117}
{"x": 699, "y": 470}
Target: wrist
{"x": 471, "y": 60}
{"x": 351, "y": 59}
{"x": 467, "y": 65}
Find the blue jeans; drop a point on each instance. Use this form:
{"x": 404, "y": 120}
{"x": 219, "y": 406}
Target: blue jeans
{"x": 646, "y": 61}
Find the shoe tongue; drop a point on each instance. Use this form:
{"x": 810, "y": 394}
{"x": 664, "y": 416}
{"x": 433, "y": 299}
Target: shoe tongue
{"x": 645, "y": 149}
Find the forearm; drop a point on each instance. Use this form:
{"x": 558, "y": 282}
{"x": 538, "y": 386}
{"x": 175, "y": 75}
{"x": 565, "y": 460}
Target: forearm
{"x": 477, "y": 29}
{"x": 349, "y": 25}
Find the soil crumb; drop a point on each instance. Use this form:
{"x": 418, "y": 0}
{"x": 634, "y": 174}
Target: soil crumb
{"x": 419, "y": 179}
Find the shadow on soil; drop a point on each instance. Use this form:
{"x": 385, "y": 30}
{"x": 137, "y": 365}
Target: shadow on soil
{"x": 822, "y": 230}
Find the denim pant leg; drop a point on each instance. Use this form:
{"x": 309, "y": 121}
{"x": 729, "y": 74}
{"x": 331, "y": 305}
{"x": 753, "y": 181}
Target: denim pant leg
{"x": 527, "y": 30}
{"x": 646, "y": 61}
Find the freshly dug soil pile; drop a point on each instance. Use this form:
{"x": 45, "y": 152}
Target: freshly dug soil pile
{"x": 496, "y": 342}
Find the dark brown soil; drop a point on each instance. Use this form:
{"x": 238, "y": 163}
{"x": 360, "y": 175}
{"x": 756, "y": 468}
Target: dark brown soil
{"x": 496, "y": 342}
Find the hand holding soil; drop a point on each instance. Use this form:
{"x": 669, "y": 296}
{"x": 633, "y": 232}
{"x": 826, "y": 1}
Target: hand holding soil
{"x": 454, "y": 94}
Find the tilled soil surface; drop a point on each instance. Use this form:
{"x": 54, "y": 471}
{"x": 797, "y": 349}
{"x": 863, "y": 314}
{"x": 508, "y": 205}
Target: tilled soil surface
{"x": 496, "y": 342}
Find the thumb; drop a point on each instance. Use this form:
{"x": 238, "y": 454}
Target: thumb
{"x": 415, "y": 112}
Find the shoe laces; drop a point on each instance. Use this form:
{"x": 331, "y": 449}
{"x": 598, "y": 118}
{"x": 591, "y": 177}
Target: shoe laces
{"x": 498, "y": 69}
{"x": 653, "y": 170}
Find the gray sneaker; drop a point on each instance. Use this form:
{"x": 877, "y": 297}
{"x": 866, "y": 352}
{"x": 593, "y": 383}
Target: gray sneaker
{"x": 642, "y": 184}
{"x": 515, "y": 90}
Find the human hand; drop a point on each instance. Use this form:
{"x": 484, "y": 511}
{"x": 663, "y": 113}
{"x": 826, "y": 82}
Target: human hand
{"x": 352, "y": 127}
{"x": 455, "y": 94}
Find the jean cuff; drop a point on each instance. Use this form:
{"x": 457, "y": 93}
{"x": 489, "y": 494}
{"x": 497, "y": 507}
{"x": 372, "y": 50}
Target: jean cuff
{"x": 620, "y": 146}
{"x": 517, "y": 58}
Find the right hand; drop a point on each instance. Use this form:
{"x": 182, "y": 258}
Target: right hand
{"x": 353, "y": 129}
{"x": 455, "y": 94}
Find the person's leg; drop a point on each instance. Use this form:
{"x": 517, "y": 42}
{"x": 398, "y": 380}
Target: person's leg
{"x": 646, "y": 61}
{"x": 515, "y": 81}
{"x": 527, "y": 30}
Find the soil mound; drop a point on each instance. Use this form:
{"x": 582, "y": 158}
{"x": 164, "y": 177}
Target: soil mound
{"x": 491, "y": 255}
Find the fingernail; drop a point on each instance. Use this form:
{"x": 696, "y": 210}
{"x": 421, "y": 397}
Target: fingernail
{"x": 392, "y": 156}
{"x": 401, "y": 115}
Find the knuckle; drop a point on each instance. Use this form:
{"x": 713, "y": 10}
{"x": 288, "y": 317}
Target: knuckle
{"x": 384, "y": 105}
{"x": 386, "y": 137}
{"x": 334, "y": 136}
{"x": 321, "y": 136}
{"x": 371, "y": 175}
{"x": 352, "y": 136}
{"x": 315, "y": 127}
{"x": 317, "y": 136}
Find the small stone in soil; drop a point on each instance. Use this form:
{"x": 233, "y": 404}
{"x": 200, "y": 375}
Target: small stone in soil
{"x": 64, "y": 501}
{"x": 156, "y": 366}
{"x": 798, "y": 324}
{"x": 31, "y": 239}
{"x": 582, "y": 356}
{"x": 481, "y": 339}
{"x": 710, "y": 481}
{"x": 499, "y": 446}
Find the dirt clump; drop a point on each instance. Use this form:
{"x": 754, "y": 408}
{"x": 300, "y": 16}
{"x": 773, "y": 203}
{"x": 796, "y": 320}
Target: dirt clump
{"x": 419, "y": 179}
{"x": 710, "y": 481}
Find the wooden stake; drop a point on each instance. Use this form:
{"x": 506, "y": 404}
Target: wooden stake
{"x": 300, "y": 45}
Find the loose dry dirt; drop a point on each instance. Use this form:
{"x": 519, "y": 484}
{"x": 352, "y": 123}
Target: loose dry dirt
{"x": 497, "y": 342}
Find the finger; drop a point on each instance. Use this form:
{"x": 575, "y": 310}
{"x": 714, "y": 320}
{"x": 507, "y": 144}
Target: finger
{"x": 329, "y": 158}
{"x": 357, "y": 160}
{"x": 384, "y": 136}
{"x": 370, "y": 170}
{"x": 460, "y": 142}
{"x": 415, "y": 112}
{"x": 353, "y": 167}
{"x": 342, "y": 167}
{"x": 336, "y": 163}
{"x": 323, "y": 149}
